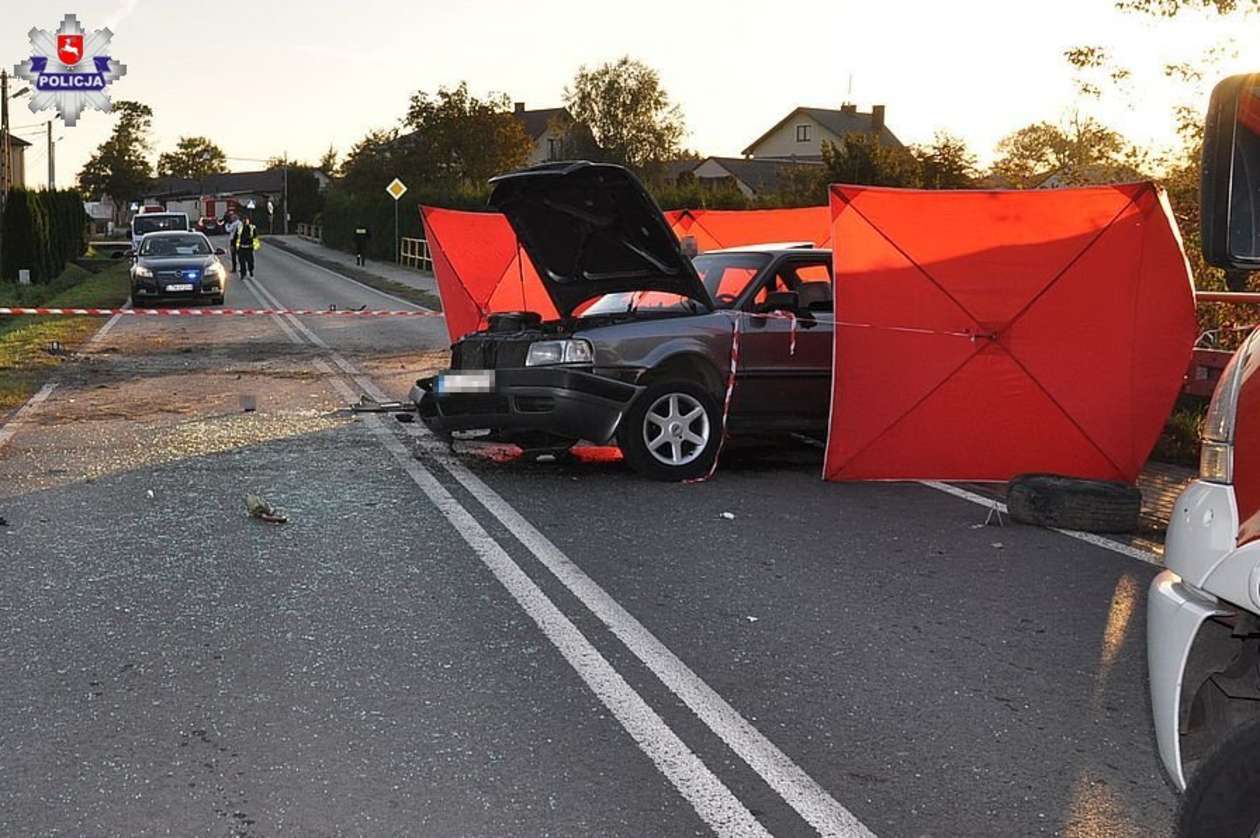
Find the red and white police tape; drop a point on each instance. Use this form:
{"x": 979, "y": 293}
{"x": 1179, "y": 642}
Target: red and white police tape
{"x": 215, "y": 312}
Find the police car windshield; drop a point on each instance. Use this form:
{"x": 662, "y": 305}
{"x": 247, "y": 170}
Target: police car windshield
{"x": 159, "y": 247}
{"x": 143, "y": 224}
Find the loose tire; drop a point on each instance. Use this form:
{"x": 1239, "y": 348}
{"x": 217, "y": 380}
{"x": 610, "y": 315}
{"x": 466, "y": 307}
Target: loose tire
{"x": 672, "y": 431}
{"x": 1049, "y": 500}
{"x": 1222, "y": 799}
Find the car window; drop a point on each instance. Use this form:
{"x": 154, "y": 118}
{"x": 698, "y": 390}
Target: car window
{"x": 790, "y": 276}
{"x": 143, "y": 225}
{"x": 727, "y": 275}
{"x": 169, "y": 246}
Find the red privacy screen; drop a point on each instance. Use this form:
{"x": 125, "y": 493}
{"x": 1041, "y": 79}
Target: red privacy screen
{"x": 987, "y": 334}
{"x": 480, "y": 268}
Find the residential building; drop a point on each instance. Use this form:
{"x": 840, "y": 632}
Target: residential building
{"x": 753, "y": 176}
{"x": 17, "y": 161}
{"x": 214, "y": 194}
{"x": 547, "y": 128}
{"x": 800, "y": 135}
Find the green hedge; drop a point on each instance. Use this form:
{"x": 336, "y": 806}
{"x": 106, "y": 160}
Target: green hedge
{"x": 42, "y": 231}
{"x": 344, "y": 211}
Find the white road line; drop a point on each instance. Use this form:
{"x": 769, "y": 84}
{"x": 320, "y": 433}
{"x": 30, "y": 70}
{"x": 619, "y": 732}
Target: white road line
{"x": 345, "y": 278}
{"x": 708, "y": 795}
{"x": 1087, "y": 537}
{"x": 810, "y": 800}
{"x": 32, "y": 404}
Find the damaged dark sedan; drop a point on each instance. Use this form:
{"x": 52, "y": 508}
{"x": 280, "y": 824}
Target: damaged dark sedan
{"x": 642, "y": 352}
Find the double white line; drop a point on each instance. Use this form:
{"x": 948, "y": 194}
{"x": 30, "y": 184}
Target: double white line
{"x": 707, "y": 794}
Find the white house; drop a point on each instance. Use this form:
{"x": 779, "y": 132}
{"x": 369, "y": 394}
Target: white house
{"x": 800, "y": 134}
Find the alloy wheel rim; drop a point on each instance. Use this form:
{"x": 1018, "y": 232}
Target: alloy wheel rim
{"x": 676, "y": 429}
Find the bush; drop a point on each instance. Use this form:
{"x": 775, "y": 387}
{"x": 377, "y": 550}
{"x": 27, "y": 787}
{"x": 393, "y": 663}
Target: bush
{"x": 42, "y": 231}
{"x": 344, "y": 211}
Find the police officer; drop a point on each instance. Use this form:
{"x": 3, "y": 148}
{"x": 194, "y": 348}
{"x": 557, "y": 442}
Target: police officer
{"x": 361, "y": 236}
{"x": 233, "y": 227}
{"x": 243, "y": 244}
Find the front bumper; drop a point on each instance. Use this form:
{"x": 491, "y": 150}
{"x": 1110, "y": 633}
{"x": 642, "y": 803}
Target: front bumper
{"x": 1175, "y": 612}
{"x": 201, "y": 291}
{"x": 559, "y": 401}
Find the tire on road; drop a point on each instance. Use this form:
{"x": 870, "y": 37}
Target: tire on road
{"x": 672, "y": 430}
{"x": 1051, "y": 500}
{"x": 1223, "y": 796}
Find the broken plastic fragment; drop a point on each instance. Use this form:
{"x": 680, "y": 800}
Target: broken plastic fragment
{"x": 263, "y": 511}
{"x": 730, "y": 516}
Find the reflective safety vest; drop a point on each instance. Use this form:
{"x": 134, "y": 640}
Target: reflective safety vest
{"x": 246, "y": 236}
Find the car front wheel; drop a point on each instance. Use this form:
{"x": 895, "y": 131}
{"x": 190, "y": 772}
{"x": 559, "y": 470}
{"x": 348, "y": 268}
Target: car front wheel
{"x": 672, "y": 431}
{"x": 1223, "y": 796}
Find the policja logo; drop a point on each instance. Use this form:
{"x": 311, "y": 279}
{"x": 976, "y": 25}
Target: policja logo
{"x": 70, "y": 69}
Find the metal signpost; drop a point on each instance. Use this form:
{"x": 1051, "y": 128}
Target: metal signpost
{"x": 396, "y": 190}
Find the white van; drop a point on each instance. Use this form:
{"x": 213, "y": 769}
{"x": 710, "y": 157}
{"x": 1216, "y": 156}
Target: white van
{"x": 152, "y": 222}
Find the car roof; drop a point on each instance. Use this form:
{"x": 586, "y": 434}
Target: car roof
{"x": 166, "y": 234}
{"x": 773, "y": 248}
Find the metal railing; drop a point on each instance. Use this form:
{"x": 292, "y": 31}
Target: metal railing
{"x": 1208, "y": 364}
{"x": 313, "y": 232}
{"x": 414, "y": 253}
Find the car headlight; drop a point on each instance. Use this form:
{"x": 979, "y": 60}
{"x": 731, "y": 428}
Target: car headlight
{"x": 142, "y": 272}
{"x": 215, "y": 270}
{"x": 545, "y": 352}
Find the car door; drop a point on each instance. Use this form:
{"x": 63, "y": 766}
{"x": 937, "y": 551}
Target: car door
{"x": 784, "y": 376}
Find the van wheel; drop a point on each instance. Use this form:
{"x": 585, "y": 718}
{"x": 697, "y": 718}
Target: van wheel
{"x": 1049, "y": 500}
{"x": 672, "y": 431}
{"x": 1223, "y": 796}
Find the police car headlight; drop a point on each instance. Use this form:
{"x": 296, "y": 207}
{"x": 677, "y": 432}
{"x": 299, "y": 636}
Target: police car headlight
{"x": 215, "y": 270}
{"x": 142, "y": 272}
{"x": 547, "y": 352}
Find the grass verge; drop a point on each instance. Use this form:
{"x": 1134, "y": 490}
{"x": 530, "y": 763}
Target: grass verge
{"x": 406, "y": 292}
{"x": 25, "y": 363}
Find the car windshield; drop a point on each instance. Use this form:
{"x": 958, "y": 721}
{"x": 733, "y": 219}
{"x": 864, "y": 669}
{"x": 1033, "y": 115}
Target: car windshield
{"x": 166, "y": 246}
{"x": 725, "y": 276}
{"x": 145, "y": 224}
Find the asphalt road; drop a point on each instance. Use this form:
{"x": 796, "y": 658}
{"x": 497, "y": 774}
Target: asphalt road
{"x": 471, "y": 644}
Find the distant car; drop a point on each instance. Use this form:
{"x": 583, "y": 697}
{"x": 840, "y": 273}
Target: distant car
{"x": 211, "y": 226}
{"x": 177, "y": 266}
{"x": 646, "y": 363}
{"x": 153, "y": 222}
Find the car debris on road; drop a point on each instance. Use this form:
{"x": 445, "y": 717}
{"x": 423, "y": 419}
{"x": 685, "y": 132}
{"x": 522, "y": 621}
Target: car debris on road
{"x": 263, "y": 511}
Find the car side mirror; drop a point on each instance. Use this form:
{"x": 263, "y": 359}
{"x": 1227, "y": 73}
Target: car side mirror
{"x": 218, "y": 251}
{"x": 1229, "y": 189}
{"x": 780, "y": 301}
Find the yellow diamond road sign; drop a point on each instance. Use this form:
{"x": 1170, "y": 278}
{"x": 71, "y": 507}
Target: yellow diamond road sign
{"x": 396, "y": 188}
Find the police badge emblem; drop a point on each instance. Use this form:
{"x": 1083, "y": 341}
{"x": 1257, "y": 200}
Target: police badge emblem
{"x": 70, "y": 69}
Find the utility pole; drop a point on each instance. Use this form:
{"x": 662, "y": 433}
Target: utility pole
{"x": 286, "y": 194}
{"x": 52, "y": 159}
{"x": 4, "y": 149}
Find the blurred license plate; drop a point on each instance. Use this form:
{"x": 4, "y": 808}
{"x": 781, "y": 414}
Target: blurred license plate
{"x": 478, "y": 381}
{"x": 180, "y": 286}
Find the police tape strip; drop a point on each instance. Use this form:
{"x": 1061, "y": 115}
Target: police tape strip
{"x": 215, "y": 312}
{"x": 794, "y": 320}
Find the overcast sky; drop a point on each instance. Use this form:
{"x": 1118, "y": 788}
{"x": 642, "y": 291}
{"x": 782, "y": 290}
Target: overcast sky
{"x": 263, "y": 77}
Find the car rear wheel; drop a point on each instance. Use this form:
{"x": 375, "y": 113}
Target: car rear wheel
{"x": 1223, "y": 796}
{"x": 672, "y": 431}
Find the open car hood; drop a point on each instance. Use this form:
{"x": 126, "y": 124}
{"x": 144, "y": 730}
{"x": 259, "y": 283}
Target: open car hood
{"x": 592, "y": 229}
